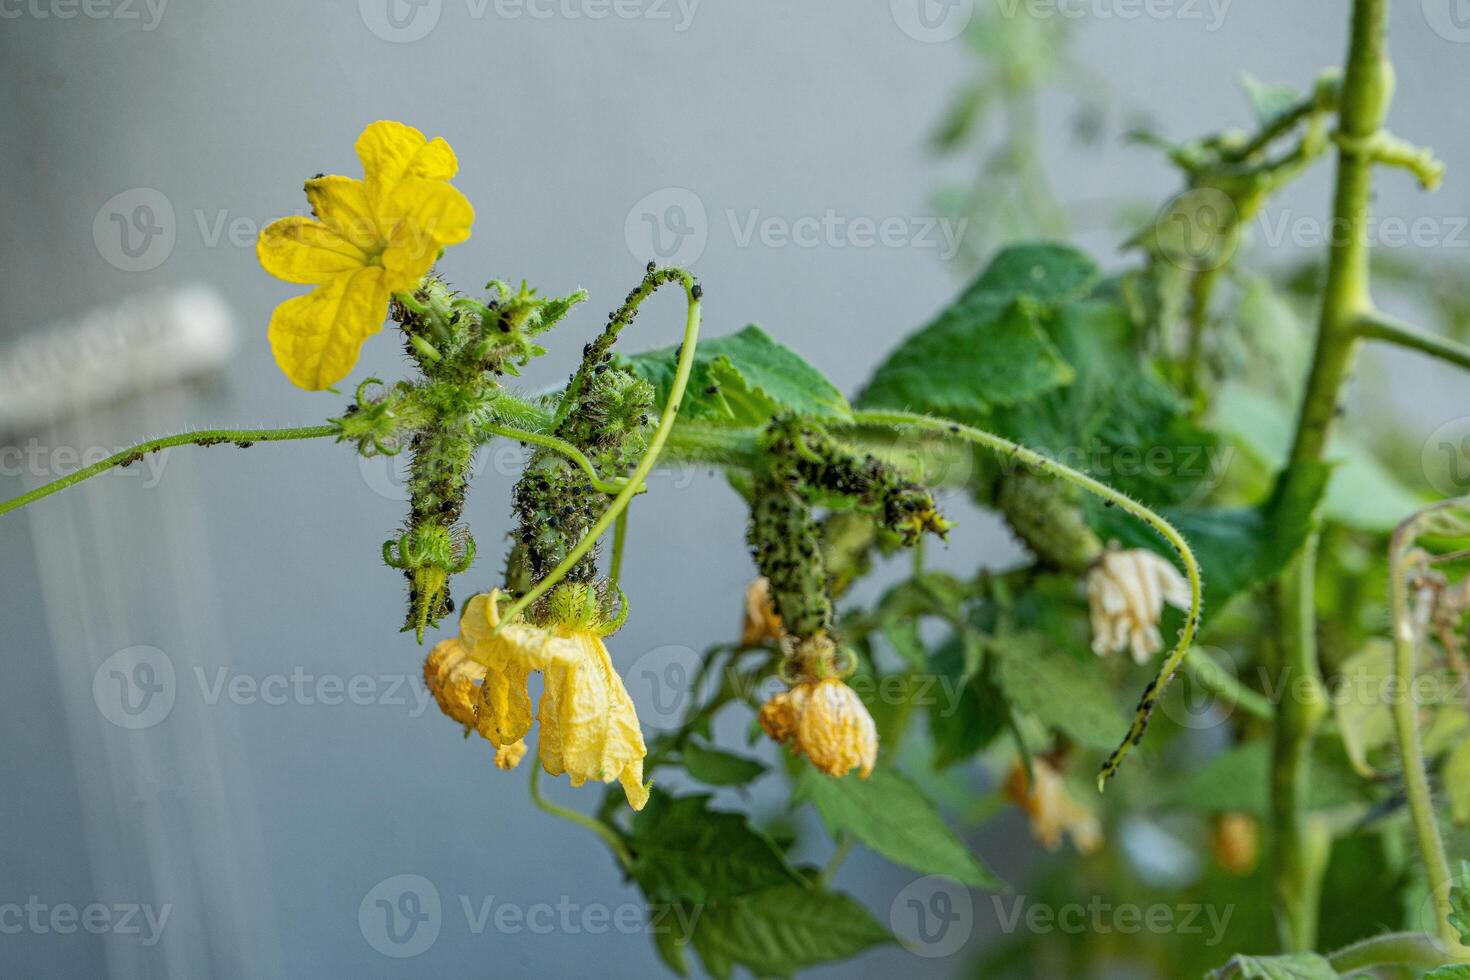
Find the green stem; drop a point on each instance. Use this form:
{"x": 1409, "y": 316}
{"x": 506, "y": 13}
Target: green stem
{"x": 645, "y": 465}
{"x": 568, "y": 450}
{"x": 1300, "y": 850}
{"x": 1044, "y": 464}
{"x": 204, "y": 437}
{"x": 1372, "y": 325}
{"x": 1406, "y": 636}
{"x": 610, "y": 836}
{"x": 1389, "y": 949}
{"x": 1214, "y": 678}
{"x": 620, "y": 318}
{"x": 620, "y": 541}
{"x": 1201, "y": 290}
{"x": 844, "y": 848}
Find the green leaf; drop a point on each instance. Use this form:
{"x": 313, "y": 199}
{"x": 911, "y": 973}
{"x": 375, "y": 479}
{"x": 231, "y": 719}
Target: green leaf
{"x": 1268, "y": 100}
{"x": 1363, "y": 718}
{"x": 988, "y": 347}
{"x": 1362, "y": 493}
{"x": 774, "y": 933}
{"x": 742, "y": 379}
{"x": 1117, "y": 421}
{"x": 1064, "y": 692}
{"x": 977, "y": 354}
{"x": 672, "y": 942}
{"x": 684, "y": 851}
{"x": 1297, "y": 966}
{"x": 1455, "y": 971}
{"x": 716, "y": 767}
{"x": 888, "y": 814}
{"x": 963, "y": 717}
{"x": 1459, "y": 916}
{"x": 1048, "y": 272}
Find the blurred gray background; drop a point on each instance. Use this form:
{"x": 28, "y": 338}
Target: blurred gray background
{"x": 265, "y": 817}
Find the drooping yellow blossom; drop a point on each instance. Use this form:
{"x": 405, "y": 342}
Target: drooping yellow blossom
{"x": 762, "y": 622}
{"x": 369, "y": 238}
{"x": 1052, "y": 809}
{"x": 589, "y": 728}
{"x": 822, "y": 718}
{"x": 454, "y": 680}
{"x": 1126, "y": 592}
{"x": 1235, "y": 841}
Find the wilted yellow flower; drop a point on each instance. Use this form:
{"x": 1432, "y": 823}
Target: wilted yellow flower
{"x": 1052, "y": 809}
{"x": 762, "y": 622}
{"x": 589, "y": 728}
{"x": 453, "y": 679}
{"x": 822, "y": 718}
{"x": 1126, "y": 592}
{"x": 1235, "y": 841}
{"x": 370, "y": 238}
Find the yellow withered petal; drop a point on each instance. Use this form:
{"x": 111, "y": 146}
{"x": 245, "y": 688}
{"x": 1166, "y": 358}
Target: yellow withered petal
{"x": 503, "y": 714}
{"x": 519, "y": 644}
{"x": 589, "y": 727}
{"x": 391, "y": 151}
{"x": 316, "y": 337}
{"x": 341, "y": 203}
{"x": 299, "y": 249}
{"x": 453, "y": 678}
{"x": 836, "y": 731}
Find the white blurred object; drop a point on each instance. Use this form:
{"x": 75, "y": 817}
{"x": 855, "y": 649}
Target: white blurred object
{"x": 141, "y": 343}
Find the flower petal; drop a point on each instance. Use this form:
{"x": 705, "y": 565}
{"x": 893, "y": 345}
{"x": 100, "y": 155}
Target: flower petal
{"x": 520, "y": 644}
{"x": 436, "y": 209}
{"x": 316, "y": 337}
{"x": 504, "y": 708}
{"x": 299, "y": 249}
{"x": 391, "y": 151}
{"x": 342, "y": 205}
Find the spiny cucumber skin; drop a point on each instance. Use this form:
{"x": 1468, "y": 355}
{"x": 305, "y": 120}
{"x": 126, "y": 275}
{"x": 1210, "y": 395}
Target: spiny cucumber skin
{"x": 786, "y": 544}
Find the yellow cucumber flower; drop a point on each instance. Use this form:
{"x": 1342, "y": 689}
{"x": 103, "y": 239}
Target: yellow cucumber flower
{"x": 454, "y": 681}
{"x": 1052, "y": 808}
{"x": 822, "y": 718}
{"x": 369, "y": 239}
{"x": 826, "y": 722}
{"x": 589, "y": 728}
